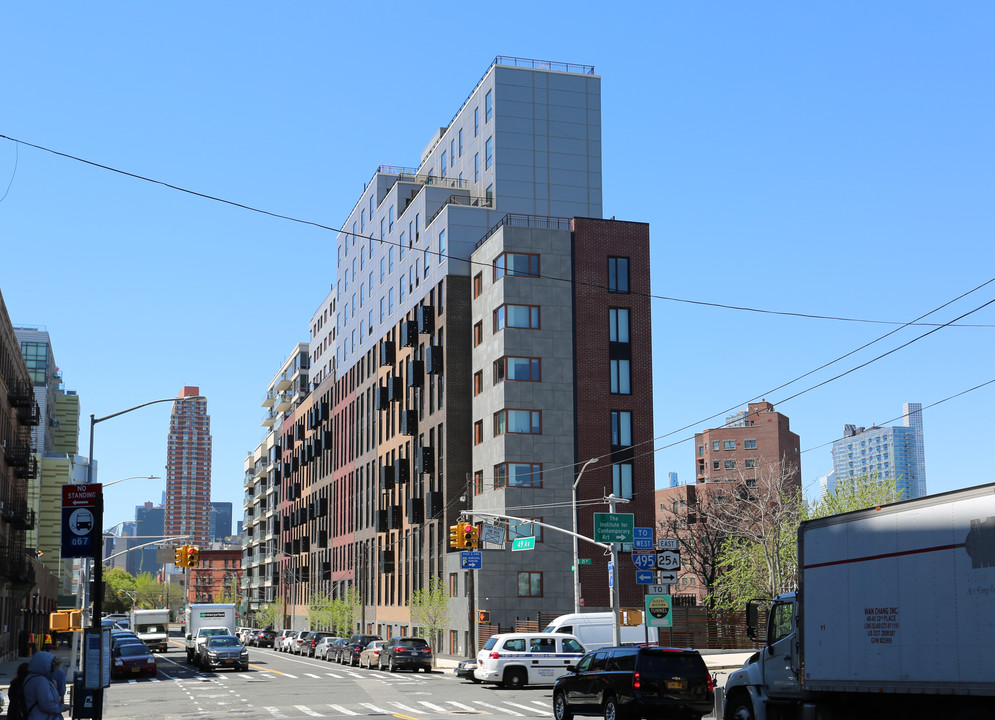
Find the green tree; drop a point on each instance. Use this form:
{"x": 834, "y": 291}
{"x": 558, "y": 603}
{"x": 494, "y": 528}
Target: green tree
{"x": 430, "y": 609}
{"x": 344, "y": 612}
{"x": 149, "y": 592}
{"x": 117, "y": 579}
{"x": 320, "y": 611}
{"x": 268, "y": 615}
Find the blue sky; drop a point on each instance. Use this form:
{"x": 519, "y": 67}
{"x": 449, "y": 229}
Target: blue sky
{"x": 832, "y": 159}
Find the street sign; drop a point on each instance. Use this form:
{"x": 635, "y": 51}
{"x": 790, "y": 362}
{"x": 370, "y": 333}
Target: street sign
{"x": 471, "y": 560}
{"x": 644, "y": 577}
{"x": 80, "y": 534}
{"x": 644, "y": 560}
{"x": 613, "y": 527}
{"x": 668, "y": 576}
{"x": 611, "y": 575}
{"x": 583, "y": 561}
{"x": 642, "y": 538}
{"x": 525, "y": 543}
{"x": 658, "y": 589}
{"x": 666, "y": 544}
{"x": 492, "y": 534}
{"x": 668, "y": 560}
{"x": 658, "y": 611}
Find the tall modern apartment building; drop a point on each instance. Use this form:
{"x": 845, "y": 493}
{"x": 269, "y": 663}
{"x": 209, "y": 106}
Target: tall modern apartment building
{"x": 894, "y": 453}
{"x": 188, "y": 469}
{"x": 487, "y": 333}
{"x": 150, "y": 524}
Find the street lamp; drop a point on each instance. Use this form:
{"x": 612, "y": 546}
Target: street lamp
{"x": 576, "y": 557}
{"x": 98, "y": 566}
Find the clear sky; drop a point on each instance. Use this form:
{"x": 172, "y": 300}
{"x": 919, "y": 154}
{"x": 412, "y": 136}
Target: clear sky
{"x": 831, "y": 159}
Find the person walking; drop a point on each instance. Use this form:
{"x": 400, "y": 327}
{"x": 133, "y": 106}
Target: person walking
{"x": 40, "y": 694}
{"x": 17, "y": 709}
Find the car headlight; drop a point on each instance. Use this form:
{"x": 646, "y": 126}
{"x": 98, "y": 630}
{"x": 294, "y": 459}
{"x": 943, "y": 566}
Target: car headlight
{"x": 211, "y": 654}
{"x": 245, "y": 653}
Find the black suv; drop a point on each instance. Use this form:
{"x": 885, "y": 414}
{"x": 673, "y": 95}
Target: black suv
{"x": 262, "y": 638}
{"x": 620, "y": 682}
{"x": 348, "y": 652}
{"x": 406, "y": 652}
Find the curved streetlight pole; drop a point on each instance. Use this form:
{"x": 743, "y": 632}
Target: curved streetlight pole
{"x": 98, "y": 521}
{"x": 576, "y": 557}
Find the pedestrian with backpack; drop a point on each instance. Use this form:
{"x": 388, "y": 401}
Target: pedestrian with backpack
{"x": 42, "y": 699}
{"x": 17, "y": 709}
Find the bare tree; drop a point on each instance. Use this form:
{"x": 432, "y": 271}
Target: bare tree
{"x": 691, "y": 520}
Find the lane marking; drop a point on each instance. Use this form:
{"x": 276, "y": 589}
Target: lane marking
{"x": 376, "y": 709}
{"x": 499, "y": 708}
{"x": 461, "y": 706}
{"x": 405, "y": 707}
{"x": 404, "y": 717}
{"x": 432, "y": 706}
{"x": 275, "y": 712}
{"x": 342, "y": 710}
{"x": 312, "y": 675}
{"x": 526, "y": 707}
{"x": 308, "y": 711}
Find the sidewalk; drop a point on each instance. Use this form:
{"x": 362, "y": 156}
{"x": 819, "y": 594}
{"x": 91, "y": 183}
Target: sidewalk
{"x": 8, "y": 668}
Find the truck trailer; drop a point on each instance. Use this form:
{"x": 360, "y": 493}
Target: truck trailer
{"x": 894, "y": 617}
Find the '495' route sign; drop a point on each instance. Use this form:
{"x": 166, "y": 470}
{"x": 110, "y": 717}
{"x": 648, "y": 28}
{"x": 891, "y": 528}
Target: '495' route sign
{"x": 80, "y": 531}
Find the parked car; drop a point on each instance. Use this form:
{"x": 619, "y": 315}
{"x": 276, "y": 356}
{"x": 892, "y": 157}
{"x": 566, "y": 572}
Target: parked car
{"x": 262, "y": 638}
{"x": 284, "y": 639}
{"x": 312, "y": 643}
{"x": 224, "y": 651}
{"x": 411, "y": 653}
{"x": 630, "y": 681}
{"x": 518, "y": 659}
{"x": 300, "y": 642}
{"x": 131, "y": 659}
{"x": 348, "y": 653}
{"x": 465, "y": 668}
{"x": 371, "y": 655}
{"x": 325, "y": 649}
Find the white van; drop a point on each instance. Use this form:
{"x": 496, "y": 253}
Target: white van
{"x": 515, "y": 660}
{"x": 596, "y": 630}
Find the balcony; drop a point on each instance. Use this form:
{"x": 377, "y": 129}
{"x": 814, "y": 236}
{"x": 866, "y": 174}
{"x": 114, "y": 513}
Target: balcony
{"x": 269, "y": 419}
{"x": 283, "y": 382}
{"x": 283, "y": 402}
{"x": 269, "y": 399}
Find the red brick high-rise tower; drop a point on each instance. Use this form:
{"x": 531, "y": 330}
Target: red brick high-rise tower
{"x": 188, "y": 469}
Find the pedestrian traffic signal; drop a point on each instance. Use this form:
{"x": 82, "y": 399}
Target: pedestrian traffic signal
{"x": 181, "y": 556}
{"x": 193, "y": 556}
{"x": 455, "y": 539}
{"x": 58, "y": 621}
{"x": 469, "y": 537}
{"x": 483, "y": 616}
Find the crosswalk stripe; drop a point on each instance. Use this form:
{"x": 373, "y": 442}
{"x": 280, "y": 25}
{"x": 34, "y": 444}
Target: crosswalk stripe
{"x": 275, "y": 712}
{"x": 430, "y": 706}
{"x": 333, "y": 675}
{"x": 541, "y": 703}
{"x": 350, "y": 673}
{"x": 405, "y": 707}
{"x": 308, "y": 711}
{"x": 499, "y": 709}
{"x": 375, "y": 709}
{"x": 342, "y": 710}
{"x": 461, "y": 706}
{"x": 312, "y": 675}
{"x": 526, "y": 707}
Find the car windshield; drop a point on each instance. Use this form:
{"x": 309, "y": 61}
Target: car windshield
{"x": 223, "y": 642}
{"x": 132, "y": 650}
{"x": 208, "y": 632}
{"x": 151, "y": 629}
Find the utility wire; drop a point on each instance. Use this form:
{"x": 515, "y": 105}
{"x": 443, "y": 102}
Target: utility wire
{"x": 321, "y": 226}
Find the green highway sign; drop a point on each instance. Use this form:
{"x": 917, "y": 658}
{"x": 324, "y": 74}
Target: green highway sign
{"x": 583, "y": 561}
{"x": 613, "y": 527}
{"x": 526, "y": 543}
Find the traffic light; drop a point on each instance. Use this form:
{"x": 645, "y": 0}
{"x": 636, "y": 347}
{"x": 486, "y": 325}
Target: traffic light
{"x": 473, "y": 541}
{"x": 181, "y": 556}
{"x": 58, "y": 621}
{"x": 630, "y": 617}
{"x": 483, "y": 616}
{"x": 193, "y": 556}
{"x": 455, "y": 539}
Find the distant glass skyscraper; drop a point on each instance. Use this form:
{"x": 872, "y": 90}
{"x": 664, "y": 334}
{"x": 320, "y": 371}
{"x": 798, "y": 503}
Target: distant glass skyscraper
{"x": 220, "y": 524}
{"x": 188, "y": 469}
{"x": 886, "y": 453}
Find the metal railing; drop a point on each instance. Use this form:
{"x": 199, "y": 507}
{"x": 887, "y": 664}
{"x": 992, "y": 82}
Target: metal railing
{"x": 465, "y": 201}
{"x": 541, "y": 222}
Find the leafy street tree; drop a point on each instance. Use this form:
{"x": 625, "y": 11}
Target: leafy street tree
{"x": 430, "y": 609}
{"x": 320, "y": 611}
{"x": 148, "y": 591}
{"x": 117, "y": 579}
{"x": 345, "y": 612}
{"x": 267, "y": 615}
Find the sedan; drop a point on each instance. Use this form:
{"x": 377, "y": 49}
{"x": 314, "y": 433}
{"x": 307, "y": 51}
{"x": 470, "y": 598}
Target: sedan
{"x": 411, "y": 653}
{"x": 133, "y": 659}
{"x": 465, "y": 670}
{"x": 325, "y": 649}
{"x": 224, "y": 651}
{"x": 371, "y": 655}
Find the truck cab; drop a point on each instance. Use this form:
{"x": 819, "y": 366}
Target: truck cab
{"x": 773, "y": 674}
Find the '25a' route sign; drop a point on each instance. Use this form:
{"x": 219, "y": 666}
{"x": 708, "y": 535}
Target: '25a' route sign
{"x": 80, "y": 531}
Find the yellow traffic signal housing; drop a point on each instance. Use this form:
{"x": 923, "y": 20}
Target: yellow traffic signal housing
{"x": 483, "y": 616}
{"x": 630, "y": 617}
{"x": 181, "y": 556}
{"x": 58, "y": 621}
{"x": 75, "y": 619}
{"x": 455, "y": 539}
{"x": 193, "y": 556}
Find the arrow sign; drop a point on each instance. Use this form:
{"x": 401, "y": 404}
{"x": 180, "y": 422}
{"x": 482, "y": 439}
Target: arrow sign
{"x": 668, "y": 578}
{"x": 644, "y": 577}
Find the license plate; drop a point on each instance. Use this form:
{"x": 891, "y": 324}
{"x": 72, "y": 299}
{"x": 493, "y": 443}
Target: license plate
{"x": 229, "y": 662}
{"x": 676, "y": 684}
{"x": 136, "y": 669}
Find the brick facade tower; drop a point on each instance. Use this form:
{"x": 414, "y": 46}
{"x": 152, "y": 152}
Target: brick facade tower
{"x": 188, "y": 469}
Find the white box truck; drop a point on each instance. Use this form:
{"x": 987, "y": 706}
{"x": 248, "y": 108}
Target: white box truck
{"x": 894, "y": 617}
{"x": 596, "y": 630}
{"x": 204, "y": 620}
{"x": 151, "y": 627}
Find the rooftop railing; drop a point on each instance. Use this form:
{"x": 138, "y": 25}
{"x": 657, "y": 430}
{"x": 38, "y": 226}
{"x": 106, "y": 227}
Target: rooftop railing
{"x": 541, "y": 222}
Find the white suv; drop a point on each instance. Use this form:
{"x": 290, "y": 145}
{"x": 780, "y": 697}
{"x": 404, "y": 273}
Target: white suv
{"x": 518, "y": 659}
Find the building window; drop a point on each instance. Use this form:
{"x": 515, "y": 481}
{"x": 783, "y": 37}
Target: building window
{"x": 750, "y": 444}
{"x": 478, "y": 382}
{"x": 426, "y": 260}
{"x": 622, "y": 480}
{"x": 453, "y": 587}
{"x": 530, "y": 584}
{"x": 478, "y": 284}
{"x": 516, "y": 316}
{"x": 476, "y": 167}
{"x": 478, "y": 482}
{"x": 401, "y": 248}
{"x": 524, "y": 528}
{"x": 362, "y": 227}
{"x": 478, "y": 333}
{"x": 383, "y": 268}
{"x": 478, "y": 432}
{"x": 489, "y": 194}
{"x": 618, "y": 274}
{"x": 715, "y": 445}
{"x": 452, "y": 152}
{"x": 518, "y": 422}
{"x": 621, "y": 383}
{"x": 509, "y": 263}
{"x": 621, "y": 428}
{"x": 442, "y": 244}
{"x": 390, "y": 301}
{"x": 382, "y": 224}
{"x": 729, "y": 464}
{"x": 476, "y": 121}
{"x": 618, "y": 325}
{"x": 488, "y": 152}
{"x": 390, "y": 219}
{"x": 728, "y": 444}
{"x": 371, "y": 207}
{"x": 461, "y": 142}
{"x": 750, "y": 463}
{"x": 488, "y": 105}
{"x": 512, "y": 474}
{"x": 390, "y": 259}
{"x": 525, "y": 369}
{"x": 401, "y": 287}
{"x": 444, "y": 163}
{"x": 382, "y": 308}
